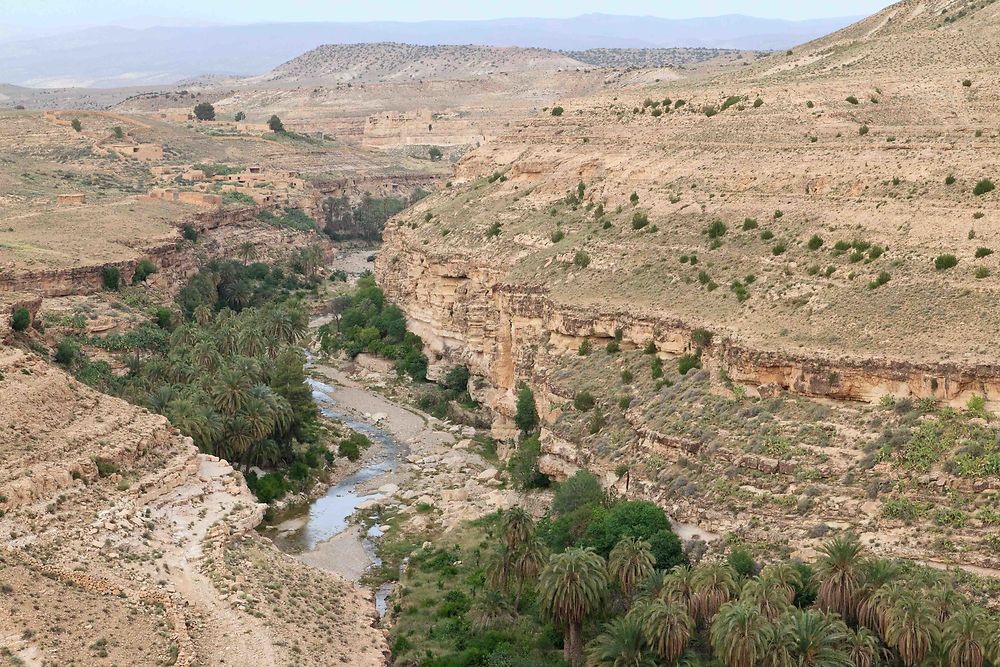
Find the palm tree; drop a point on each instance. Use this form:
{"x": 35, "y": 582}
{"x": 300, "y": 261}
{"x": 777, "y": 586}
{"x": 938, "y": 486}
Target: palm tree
{"x": 205, "y": 356}
{"x": 529, "y": 558}
{"x": 784, "y": 576}
{"x": 966, "y": 637}
{"x": 630, "y": 562}
{"x": 739, "y": 634}
{"x": 679, "y": 586}
{"x": 622, "y": 644}
{"x": 246, "y": 252}
{"x": 878, "y": 573}
{"x": 517, "y": 527}
{"x": 491, "y": 610}
{"x": 202, "y": 314}
{"x": 779, "y": 646}
{"x": 772, "y": 600}
{"x": 862, "y": 647}
{"x": 251, "y": 342}
{"x": 877, "y": 610}
{"x": 838, "y": 572}
{"x": 238, "y": 437}
{"x": 945, "y": 600}
{"x": 263, "y": 453}
{"x": 258, "y": 415}
{"x": 667, "y": 627}
{"x": 713, "y": 585}
{"x": 818, "y": 639}
{"x": 161, "y": 398}
{"x": 911, "y": 629}
{"x": 571, "y": 587}
{"x": 229, "y": 391}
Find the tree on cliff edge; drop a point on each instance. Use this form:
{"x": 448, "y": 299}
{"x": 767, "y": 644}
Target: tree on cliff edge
{"x": 275, "y": 124}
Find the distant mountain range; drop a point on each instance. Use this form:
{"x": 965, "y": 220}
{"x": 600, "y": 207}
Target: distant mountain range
{"x": 162, "y": 55}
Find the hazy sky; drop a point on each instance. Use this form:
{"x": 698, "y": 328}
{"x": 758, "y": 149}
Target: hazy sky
{"x": 58, "y": 13}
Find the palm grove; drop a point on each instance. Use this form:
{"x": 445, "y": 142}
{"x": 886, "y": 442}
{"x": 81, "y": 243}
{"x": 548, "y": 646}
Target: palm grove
{"x": 587, "y": 579}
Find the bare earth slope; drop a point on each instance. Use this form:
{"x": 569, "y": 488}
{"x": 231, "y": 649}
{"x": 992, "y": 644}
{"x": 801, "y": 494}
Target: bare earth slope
{"x": 142, "y": 548}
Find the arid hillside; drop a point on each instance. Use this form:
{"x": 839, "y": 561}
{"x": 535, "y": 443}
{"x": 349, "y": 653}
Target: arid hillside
{"x": 385, "y": 62}
{"x": 697, "y": 255}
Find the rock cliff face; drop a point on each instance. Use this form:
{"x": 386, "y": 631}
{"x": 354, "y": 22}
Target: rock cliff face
{"x": 467, "y": 312}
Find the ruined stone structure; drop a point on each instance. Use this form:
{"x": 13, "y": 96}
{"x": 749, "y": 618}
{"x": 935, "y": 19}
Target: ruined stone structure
{"x": 74, "y": 199}
{"x": 387, "y": 130}
{"x": 145, "y": 152}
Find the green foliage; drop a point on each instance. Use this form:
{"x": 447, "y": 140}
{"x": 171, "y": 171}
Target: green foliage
{"x": 581, "y": 259}
{"x": 557, "y": 236}
{"x": 585, "y": 347}
{"x": 741, "y": 560}
{"x": 701, "y": 337}
{"x": 144, "y": 269}
{"x": 557, "y": 111}
{"x": 67, "y": 351}
{"x": 343, "y": 221}
{"x": 526, "y": 415}
{"x": 523, "y": 465}
{"x": 815, "y": 242}
{"x": 852, "y": 99}
{"x": 76, "y": 124}
{"x": 731, "y": 101}
{"x": 240, "y": 116}
{"x": 204, "y": 111}
{"x": 583, "y": 401}
{"x": 352, "y": 446}
{"x": 118, "y": 132}
{"x": 710, "y": 110}
{"x": 716, "y": 230}
{"x": 757, "y": 103}
{"x": 949, "y": 179}
{"x": 493, "y": 230}
{"x": 983, "y": 186}
{"x": 749, "y": 223}
{"x": 688, "y": 362}
{"x": 639, "y": 220}
{"x": 275, "y": 124}
{"x": 367, "y": 323}
{"x": 21, "y": 319}
{"x": 635, "y": 518}
{"x": 289, "y": 218}
{"x": 942, "y": 262}
{"x": 882, "y": 278}
{"x": 583, "y": 488}
{"x": 111, "y": 278}
{"x": 189, "y": 233}
{"x": 434, "y": 153}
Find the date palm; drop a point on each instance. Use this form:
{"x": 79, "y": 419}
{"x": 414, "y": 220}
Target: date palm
{"x": 202, "y": 314}
{"x": 205, "y": 356}
{"x": 911, "y": 629}
{"x": 491, "y": 610}
{"x": 238, "y": 438}
{"x": 818, "y": 639}
{"x": 630, "y": 562}
{"x": 862, "y": 647}
{"x": 772, "y": 600}
{"x": 247, "y": 251}
{"x": 713, "y": 585}
{"x": 838, "y": 573}
{"x": 945, "y": 600}
{"x": 571, "y": 587}
{"x": 739, "y": 634}
{"x": 517, "y": 527}
{"x": 229, "y": 390}
{"x": 622, "y": 644}
{"x": 667, "y": 627}
{"x": 967, "y": 635}
{"x": 679, "y": 586}
{"x": 783, "y": 576}
{"x": 779, "y": 647}
{"x": 251, "y": 342}
{"x": 878, "y": 573}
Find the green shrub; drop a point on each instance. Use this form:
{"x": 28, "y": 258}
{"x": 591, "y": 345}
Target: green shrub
{"x": 76, "y": 124}
{"x": 701, "y": 337}
{"x": 557, "y": 111}
{"x": 882, "y": 279}
{"x": 710, "y": 110}
{"x": 731, "y": 101}
{"x": 758, "y": 103}
{"x": 523, "y": 465}
{"x": 749, "y": 223}
{"x": 493, "y": 230}
{"x": 688, "y": 362}
{"x": 942, "y": 262}
{"x": 67, "y": 351}
{"x": 21, "y": 319}
{"x": 581, "y": 259}
{"x": 983, "y": 186}
{"x": 815, "y": 242}
{"x": 143, "y": 270}
{"x": 852, "y": 99}
{"x": 582, "y": 489}
{"x": 557, "y": 236}
{"x": 526, "y": 415}
{"x": 657, "y": 368}
{"x": 863, "y": 130}
{"x": 982, "y": 272}
{"x": 189, "y": 233}
{"x": 967, "y": 83}
{"x": 810, "y": 104}
{"x": 766, "y": 235}
{"x": 741, "y": 560}
{"x": 584, "y": 348}
{"x": 778, "y": 213}
{"x": 949, "y": 179}
{"x": 778, "y": 249}
{"x": 639, "y": 220}
{"x": 983, "y": 252}
{"x": 111, "y": 278}
{"x": 271, "y": 487}
{"x": 583, "y": 401}
{"x": 164, "y": 318}
{"x": 716, "y": 230}
{"x": 875, "y": 252}
{"x": 352, "y": 446}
